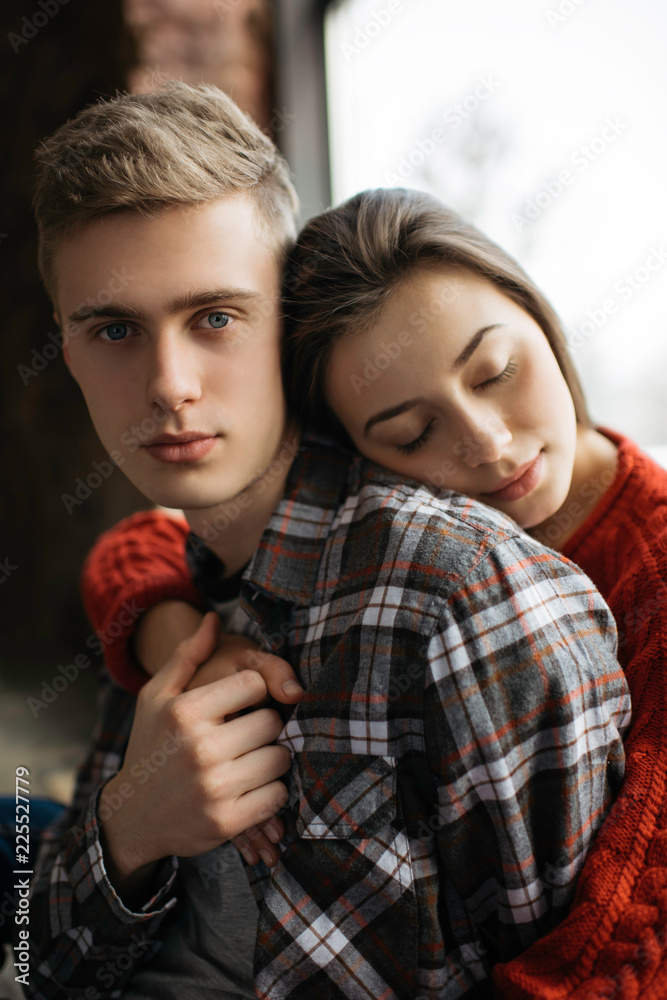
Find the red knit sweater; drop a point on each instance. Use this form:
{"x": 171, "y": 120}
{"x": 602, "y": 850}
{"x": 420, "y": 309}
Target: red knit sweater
{"x": 614, "y": 941}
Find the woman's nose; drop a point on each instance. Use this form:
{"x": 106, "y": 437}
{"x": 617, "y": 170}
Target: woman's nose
{"x": 485, "y": 438}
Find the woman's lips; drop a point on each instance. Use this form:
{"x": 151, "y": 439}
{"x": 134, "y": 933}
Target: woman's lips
{"x": 181, "y": 451}
{"x": 524, "y": 484}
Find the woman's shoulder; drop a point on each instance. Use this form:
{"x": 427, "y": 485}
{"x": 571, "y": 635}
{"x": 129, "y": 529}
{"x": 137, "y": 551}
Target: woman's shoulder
{"x": 642, "y": 493}
{"x": 626, "y": 534}
{"x": 636, "y": 496}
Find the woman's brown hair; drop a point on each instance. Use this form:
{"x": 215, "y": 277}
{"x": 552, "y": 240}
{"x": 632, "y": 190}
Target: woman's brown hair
{"x": 347, "y": 262}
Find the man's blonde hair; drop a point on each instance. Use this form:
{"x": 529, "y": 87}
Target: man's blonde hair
{"x": 180, "y": 145}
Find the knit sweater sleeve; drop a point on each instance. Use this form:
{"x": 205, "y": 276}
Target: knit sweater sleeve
{"x": 131, "y": 568}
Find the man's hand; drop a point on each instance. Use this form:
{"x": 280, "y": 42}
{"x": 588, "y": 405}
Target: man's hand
{"x": 193, "y": 776}
{"x": 158, "y": 632}
{"x": 235, "y": 653}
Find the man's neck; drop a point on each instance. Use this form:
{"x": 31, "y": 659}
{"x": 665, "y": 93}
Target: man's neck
{"x": 233, "y": 528}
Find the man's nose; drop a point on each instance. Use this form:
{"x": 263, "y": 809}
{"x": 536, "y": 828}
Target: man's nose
{"x": 173, "y": 379}
{"x": 486, "y": 436}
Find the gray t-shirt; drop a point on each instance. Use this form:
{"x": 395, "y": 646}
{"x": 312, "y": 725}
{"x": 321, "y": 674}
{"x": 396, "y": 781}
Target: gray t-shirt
{"x": 209, "y": 952}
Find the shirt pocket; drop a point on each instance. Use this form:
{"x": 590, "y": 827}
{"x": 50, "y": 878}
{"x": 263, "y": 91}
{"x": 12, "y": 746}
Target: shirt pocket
{"x": 344, "y": 796}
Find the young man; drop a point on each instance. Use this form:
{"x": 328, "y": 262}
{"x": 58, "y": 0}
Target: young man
{"x": 459, "y": 740}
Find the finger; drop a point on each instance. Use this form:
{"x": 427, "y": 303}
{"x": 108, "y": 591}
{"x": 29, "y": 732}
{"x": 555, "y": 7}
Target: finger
{"x": 254, "y": 770}
{"x": 220, "y": 699}
{"x": 279, "y": 677}
{"x": 274, "y": 829}
{"x": 188, "y": 655}
{"x": 254, "y": 844}
{"x": 245, "y": 849}
{"x": 258, "y": 805}
{"x": 235, "y": 739}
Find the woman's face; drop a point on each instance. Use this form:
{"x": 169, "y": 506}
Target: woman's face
{"x": 456, "y": 386}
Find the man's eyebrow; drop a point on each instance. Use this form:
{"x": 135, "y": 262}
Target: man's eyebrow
{"x": 193, "y": 300}
{"x": 473, "y": 344}
{"x": 392, "y": 411}
{"x": 111, "y": 309}
{"x": 180, "y": 303}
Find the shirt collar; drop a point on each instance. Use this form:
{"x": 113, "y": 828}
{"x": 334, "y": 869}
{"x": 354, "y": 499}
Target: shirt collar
{"x": 286, "y": 563}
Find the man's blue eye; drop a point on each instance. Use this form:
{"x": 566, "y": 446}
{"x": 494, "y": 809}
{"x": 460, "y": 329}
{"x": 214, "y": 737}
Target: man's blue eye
{"x": 218, "y": 319}
{"x": 116, "y": 331}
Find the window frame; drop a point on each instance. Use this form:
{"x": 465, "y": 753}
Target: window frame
{"x": 301, "y": 93}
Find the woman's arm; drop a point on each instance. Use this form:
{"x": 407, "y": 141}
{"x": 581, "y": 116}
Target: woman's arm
{"x": 130, "y": 569}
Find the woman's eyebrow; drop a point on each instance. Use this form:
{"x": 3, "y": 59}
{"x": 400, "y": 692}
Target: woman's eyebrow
{"x": 392, "y": 411}
{"x": 473, "y": 344}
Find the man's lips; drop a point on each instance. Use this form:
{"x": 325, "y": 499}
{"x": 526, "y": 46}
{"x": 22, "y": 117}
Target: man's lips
{"x": 187, "y": 447}
{"x": 522, "y": 482}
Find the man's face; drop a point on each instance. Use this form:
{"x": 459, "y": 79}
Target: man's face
{"x": 172, "y": 331}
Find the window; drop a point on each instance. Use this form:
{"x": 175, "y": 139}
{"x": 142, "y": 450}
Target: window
{"x": 542, "y": 122}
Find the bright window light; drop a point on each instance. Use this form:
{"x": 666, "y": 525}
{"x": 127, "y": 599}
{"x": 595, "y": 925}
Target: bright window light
{"x": 541, "y": 121}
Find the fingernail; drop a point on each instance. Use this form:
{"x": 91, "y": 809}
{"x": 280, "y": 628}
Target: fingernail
{"x": 272, "y": 832}
{"x": 292, "y": 688}
{"x": 253, "y": 832}
{"x": 249, "y": 855}
{"x": 266, "y": 858}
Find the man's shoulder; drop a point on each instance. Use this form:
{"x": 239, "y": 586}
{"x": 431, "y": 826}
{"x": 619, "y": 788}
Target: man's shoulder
{"x": 392, "y": 523}
{"x": 402, "y": 504}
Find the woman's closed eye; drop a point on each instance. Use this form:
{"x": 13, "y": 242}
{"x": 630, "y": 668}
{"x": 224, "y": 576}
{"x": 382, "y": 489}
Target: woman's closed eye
{"x": 417, "y": 442}
{"x": 504, "y": 376}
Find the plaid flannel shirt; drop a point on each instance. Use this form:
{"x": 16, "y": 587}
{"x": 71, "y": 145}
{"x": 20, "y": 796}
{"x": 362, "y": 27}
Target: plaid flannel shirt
{"x": 457, "y": 748}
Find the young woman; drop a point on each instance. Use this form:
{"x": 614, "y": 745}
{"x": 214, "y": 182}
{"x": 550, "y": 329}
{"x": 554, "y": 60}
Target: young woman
{"x": 413, "y": 338}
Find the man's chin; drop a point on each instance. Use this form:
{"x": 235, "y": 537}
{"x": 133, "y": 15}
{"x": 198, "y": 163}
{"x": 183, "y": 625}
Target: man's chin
{"x": 182, "y": 498}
